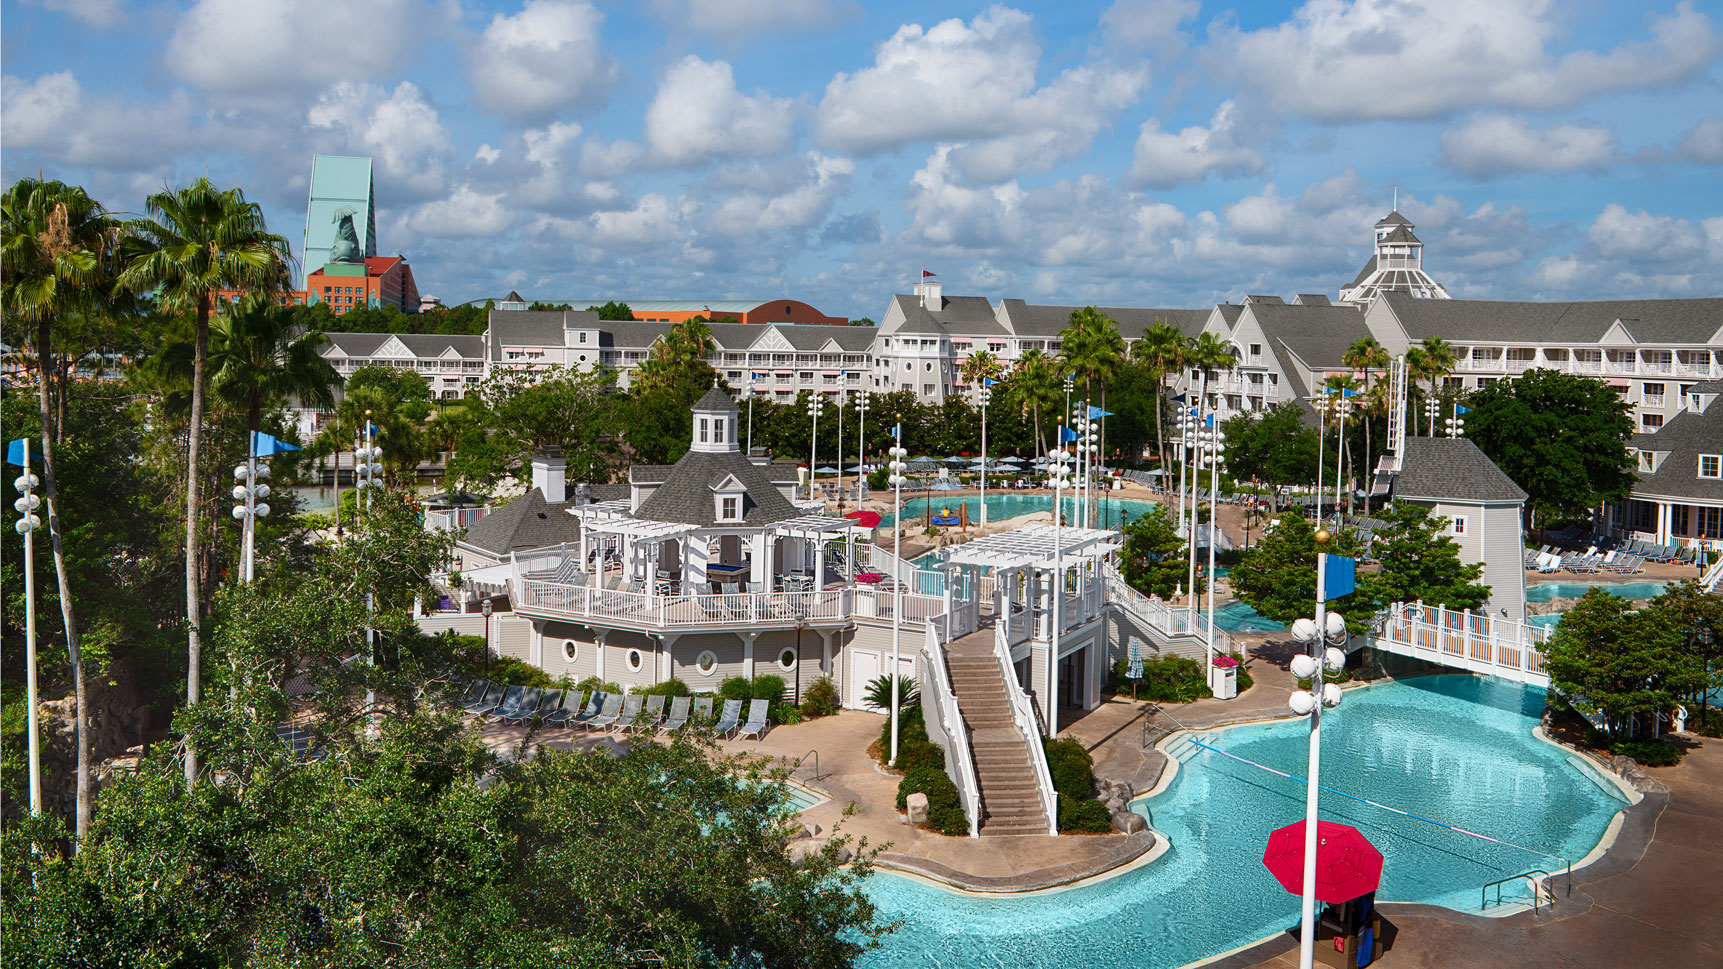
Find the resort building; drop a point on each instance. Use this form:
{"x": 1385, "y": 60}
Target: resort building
{"x": 750, "y": 311}
{"x": 377, "y": 282}
{"x": 1484, "y": 509}
{"x": 1678, "y": 499}
{"x": 342, "y": 189}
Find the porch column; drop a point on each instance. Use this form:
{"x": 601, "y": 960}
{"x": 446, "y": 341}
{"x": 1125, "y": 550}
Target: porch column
{"x": 1662, "y": 523}
{"x": 825, "y": 651}
{"x": 748, "y": 653}
{"x": 850, "y": 555}
{"x": 666, "y": 643}
{"x": 819, "y": 565}
{"x": 757, "y": 573}
{"x": 598, "y": 635}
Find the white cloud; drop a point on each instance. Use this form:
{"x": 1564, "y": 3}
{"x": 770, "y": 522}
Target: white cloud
{"x": 1407, "y": 59}
{"x": 96, "y": 13}
{"x": 1632, "y": 254}
{"x": 1148, "y": 24}
{"x": 1497, "y": 144}
{"x": 1644, "y": 237}
{"x": 55, "y": 117}
{"x": 608, "y": 159}
{"x": 269, "y": 50}
{"x": 464, "y": 213}
{"x": 804, "y": 204}
{"x": 736, "y": 19}
{"x": 545, "y": 58}
{"x": 397, "y": 128}
{"x": 653, "y": 221}
{"x": 487, "y": 154}
{"x": 1704, "y": 143}
{"x": 698, "y": 113}
{"x": 957, "y": 81}
{"x": 1164, "y": 159}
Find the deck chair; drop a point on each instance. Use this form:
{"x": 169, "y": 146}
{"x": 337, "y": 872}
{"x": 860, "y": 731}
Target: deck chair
{"x": 547, "y": 705}
{"x": 612, "y": 712}
{"x": 728, "y": 719}
{"x": 756, "y": 725}
{"x": 649, "y": 716}
{"x": 631, "y": 705}
{"x": 679, "y": 713}
{"x": 525, "y": 710}
{"x": 475, "y": 692}
{"x": 702, "y": 713}
{"x": 492, "y": 698}
{"x": 565, "y": 711}
{"x": 510, "y": 702}
{"x": 594, "y": 706}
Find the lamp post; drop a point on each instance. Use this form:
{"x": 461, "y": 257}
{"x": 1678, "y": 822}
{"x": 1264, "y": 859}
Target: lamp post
{"x": 1321, "y": 401}
{"x": 1327, "y": 627}
{"x": 862, "y": 397}
{"x": 1056, "y": 590}
{"x": 26, "y": 505}
{"x": 842, "y": 375}
{"x": 1342, "y": 405}
{"x": 898, "y": 467}
{"x": 1432, "y": 410}
{"x": 370, "y": 479}
{"x": 1214, "y": 445}
{"x": 985, "y": 394}
{"x": 815, "y": 405}
{"x": 1456, "y": 425}
{"x": 250, "y": 490}
{"x": 1189, "y": 426}
{"x": 751, "y": 388}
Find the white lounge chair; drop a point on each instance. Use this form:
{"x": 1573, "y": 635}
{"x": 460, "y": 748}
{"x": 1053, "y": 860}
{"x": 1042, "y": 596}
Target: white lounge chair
{"x": 756, "y": 725}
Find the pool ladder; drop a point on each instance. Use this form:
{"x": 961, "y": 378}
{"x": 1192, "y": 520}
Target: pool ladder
{"x": 1538, "y": 888}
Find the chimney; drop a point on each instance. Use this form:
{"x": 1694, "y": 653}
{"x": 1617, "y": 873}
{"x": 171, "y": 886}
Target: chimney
{"x": 550, "y": 476}
{"x": 582, "y": 494}
{"x": 928, "y": 290}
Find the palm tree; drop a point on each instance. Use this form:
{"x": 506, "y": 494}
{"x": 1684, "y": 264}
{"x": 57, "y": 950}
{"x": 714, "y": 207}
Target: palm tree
{"x": 195, "y": 241}
{"x": 1162, "y": 351}
{"x": 1092, "y": 346}
{"x": 979, "y": 366}
{"x": 1439, "y": 361}
{"x": 255, "y": 356}
{"x": 1038, "y": 387}
{"x": 54, "y": 247}
{"x": 1340, "y": 384}
{"x": 1367, "y": 357}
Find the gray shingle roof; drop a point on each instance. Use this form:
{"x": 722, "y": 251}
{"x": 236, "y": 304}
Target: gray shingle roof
{"x": 526, "y": 328}
{"x": 1452, "y": 469}
{"x": 525, "y": 523}
{"x": 1659, "y": 321}
{"x": 686, "y": 495}
{"x": 1401, "y": 234}
{"x": 1319, "y": 335}
{"x": 428, "y": 345}
{"x": 715, "y": 399}
{"x": 1686, "y": 436}
{"x": 1046, "y": 320}
{"x": 1363, "y": 274}
{"x": 1394, "y": 218}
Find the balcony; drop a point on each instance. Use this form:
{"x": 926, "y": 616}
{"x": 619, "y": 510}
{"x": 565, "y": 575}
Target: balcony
{"x": 1663, "y": 367}
{"x": 558, "y": 600}
{"x": 1651, "y": 400}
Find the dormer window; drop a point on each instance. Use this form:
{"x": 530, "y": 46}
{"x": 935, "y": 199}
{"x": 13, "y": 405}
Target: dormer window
{"x": 729, "y": 508}
{"x": 718, "y": 433}
{"x": 703, "y": 431}
{"x": 1711, "y": 465}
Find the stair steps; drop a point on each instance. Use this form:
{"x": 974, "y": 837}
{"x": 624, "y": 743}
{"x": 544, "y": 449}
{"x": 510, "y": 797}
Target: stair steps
{"x": 1010, "y": 802}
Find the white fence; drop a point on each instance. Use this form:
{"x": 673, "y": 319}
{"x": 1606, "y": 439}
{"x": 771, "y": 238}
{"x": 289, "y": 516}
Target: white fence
{"x": 1023, "y": 715}
{"x": 562, "y": 600}
{"x": 1166, "y": 619}
{"x": 944, "y": 707}
{"x": 1465, "y": 640}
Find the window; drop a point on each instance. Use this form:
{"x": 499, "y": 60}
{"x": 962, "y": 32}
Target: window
{"x": 570, "y": 650}
{"x": 787, "y": 659}
{"x": 1459, "y": 524}
{"x": 1711, "y": 465}
{"x": 1678, "y": 519}
{"x": 1651, "y": 421}
{"x": 636, "y": 659}
{"x": 930, "y": 367}
{"x": 730, "y": 509}
{"x": 706, "y": 663}
{"x": 718, "y": 431}
{"x": 787, "y": 311}
{"x": 1647, "y": 462}
{"x": 702, "y": 430}
{"x": 583, "y": 336}
{"x": 1256, "y": 349}
{"x": 1710, "y": 522}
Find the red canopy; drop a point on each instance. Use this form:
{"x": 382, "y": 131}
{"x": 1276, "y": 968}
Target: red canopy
{"x": 865, "y": 518}
{"x": 1347, "y": 864}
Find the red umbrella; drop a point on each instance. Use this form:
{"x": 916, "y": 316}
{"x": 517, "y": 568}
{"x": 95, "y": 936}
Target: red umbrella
{"x": 1347, "y": 864}
{"x": 865, "y": 518}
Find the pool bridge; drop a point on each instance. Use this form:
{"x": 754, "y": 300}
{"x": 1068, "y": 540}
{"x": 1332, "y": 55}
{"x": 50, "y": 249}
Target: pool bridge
{"x": 1462, "y": 639}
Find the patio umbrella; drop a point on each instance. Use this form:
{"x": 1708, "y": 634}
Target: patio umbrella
{"x": 860, "y": 469}
{"x": 826, "y": 471}
{"x": 864, "y": 518}
{"x": 956, "y": 459}
{"x": 1347, "y": 864}
{"x": 945, "y": 486}
{"x": 1011, "y": 459}
{"x": 922, "y": 463}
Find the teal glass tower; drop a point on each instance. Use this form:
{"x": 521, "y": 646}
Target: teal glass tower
{"x": 340, "y": 185}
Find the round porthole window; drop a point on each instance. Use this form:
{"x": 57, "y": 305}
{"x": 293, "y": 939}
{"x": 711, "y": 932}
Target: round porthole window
{"x": 706, "y": 663}
{"x": 787, "y": 659}
{"x": 635, "y": 660}
{"x": 570, "y": 650}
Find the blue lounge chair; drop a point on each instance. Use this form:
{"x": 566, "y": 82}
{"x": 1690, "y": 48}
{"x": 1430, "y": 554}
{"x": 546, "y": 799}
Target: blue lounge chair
{"x": 510, "y": 703}
{"x": 594, "y": 706}
{"x": 609, "y": 714}
{"x": 649, "y": 717}
{"x": 756, "y": 725}
{"x": 679, "y": 714}
{"x": 565, "y": 710}
{"x": 475, "y": 692}
{"x": 492, "y": 698}
{"x": 525, "y": 710}
{"x": 631, "y": 705}
{"x": 728, "y": 719}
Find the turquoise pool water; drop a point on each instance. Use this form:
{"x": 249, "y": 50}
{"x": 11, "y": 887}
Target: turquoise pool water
{"x": 1113, "y": 511}
{"x": 1236, "y": 617}
{"x": 1546, "y": 591}
{"x": 1454, "y": 748}
{"x": 1548, "y": 620}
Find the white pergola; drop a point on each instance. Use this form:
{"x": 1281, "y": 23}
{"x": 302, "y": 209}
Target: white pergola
{"x": 1035, "y": 545}
{"x": 817, "y": 530}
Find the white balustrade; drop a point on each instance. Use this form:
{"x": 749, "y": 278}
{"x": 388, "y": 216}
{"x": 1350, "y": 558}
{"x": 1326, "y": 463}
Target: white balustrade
{"x": 944, "y": 707}
{"x": 1023, "y": 715}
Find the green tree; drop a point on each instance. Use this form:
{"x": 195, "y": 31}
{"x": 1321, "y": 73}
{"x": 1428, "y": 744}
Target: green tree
{"x": 1274, "y": 446}
{"x": 1420, "y": 562}
{"x": 1162, "y": 352}
{"x": 519, "y": 415}
{"x": 979, "y": 366}
{"x": 1562, "y": 437}
{"x": 54, "y": 246}
{"x": 1277, "y": 576}
{"x": 1368, "y": 359}
{"x": 1620, "y": 664}
{"x": 613, "y": 312}
{"x": 195, "y": 241}
{"x": 1430, "y": 360}
{"x": 863, "y": 321}
{"x": 1037, "y": 387}
{"x": 1697, "y": 617}
{"x": 257, "y": 356}
{"x": 1155, "y": 556}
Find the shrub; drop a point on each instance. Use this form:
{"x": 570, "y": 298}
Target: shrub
{"x": 1651, "y": 753}
{"x": 878, "y": 695}
{"x": 944, "y": 810}
{"x": 821, "y": 699}
{"x": 513, "y": 672}
{"x": 919, "y": 753}
{"x": 1081, "y": 814}
{"x": 910, "y": 729}
{"x": 787, "y": 715}
{"x": 736, "y": 688}
{"x": 1072, "y": 768}
{"x": 1168, "y": 679}
{"x": 592, "y": 683}
{"x": 670, "y": 687}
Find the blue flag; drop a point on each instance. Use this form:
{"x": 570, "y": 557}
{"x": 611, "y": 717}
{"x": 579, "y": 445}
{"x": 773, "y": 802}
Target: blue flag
{"x": 1096, "y": 412}
{"x": 1338, "y": 576}
{"x": 371, "y": 428}
{"x": 1066, "y": 434}
{"x": 1458, "y": 410}
{"x": 1179, "y": 399}
{"x": 1209, "y": 420}
{"x": 988, "y": 381}
{"x": 1348, "y": 392}
{"x": 18, "y": 452}
{"x": 263, "y": 445}
{"x": 897, "y": 433}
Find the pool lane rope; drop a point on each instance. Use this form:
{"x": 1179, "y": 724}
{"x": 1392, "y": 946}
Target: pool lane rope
{"x": 1364, "y": 800}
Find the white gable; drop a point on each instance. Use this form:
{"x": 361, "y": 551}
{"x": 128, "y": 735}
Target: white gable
{"x": 393, "y": 347}
{"x": 771, "y": 339}
{"x": 1617, "y": 333}
{"x": 730, "y": 484}
{"x": 450, "y": 354}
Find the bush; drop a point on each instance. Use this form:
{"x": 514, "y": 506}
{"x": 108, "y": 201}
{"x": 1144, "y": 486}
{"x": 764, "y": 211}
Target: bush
{"x": 1072, "y": 768}
{"x": 670, "y": 687}
{"x": 944, "y": 810}
{"x": 910, "y": 729}
{"x": 787, "y": 715}
{"x": 1168, "y": 679}
{"x": 769, "y": 687}
{"x": 513, "y": 672}
{"x": 592, "y": 683}
{"x": 1084, "y": 814}
{"x": 821, "y": 699}
{"x": 1651, "y": 753}
{"x": 736, "y": 688}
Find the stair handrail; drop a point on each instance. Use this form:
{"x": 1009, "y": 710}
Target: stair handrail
{"x": 1712, "y": 577}
{"x": 1023, "y": 714}
{"x": 1538, "y": 888}
{"x": 951, "y": 721}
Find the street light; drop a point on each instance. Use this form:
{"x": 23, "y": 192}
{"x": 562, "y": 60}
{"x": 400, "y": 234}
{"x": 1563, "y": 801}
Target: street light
{"x": 1189, "y": 428}
{"x": 898, "y": 467}
{"x": 1057, "y": 591}
{"x": 862, "y": 398}
{"x": 1432, "y": 410}
{"x": 1213, "y": 445}
{"x": 985, "y": 394}
{"x": 1456, "y": 425}
{"x": 843, "y": 375}
{"x": 250, "y": 490}
{"x": 1322, "y": 635}
{"x": 815, "y": 405}
{"x": 752, "y": 386}
{"x": 26, "y": 505}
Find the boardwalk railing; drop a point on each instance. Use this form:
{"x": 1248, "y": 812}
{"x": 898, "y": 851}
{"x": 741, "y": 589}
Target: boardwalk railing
{"x": 949, "y": 721}
{"x": 1028, "y": 727}
{"x": 1465, "y": 640}
{"x": 1168, "y": 620}
{"x": 563, "y": 600}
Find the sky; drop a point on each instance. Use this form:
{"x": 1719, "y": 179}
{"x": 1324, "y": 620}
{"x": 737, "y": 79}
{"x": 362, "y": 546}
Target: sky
{"x": 1139, "y": 153}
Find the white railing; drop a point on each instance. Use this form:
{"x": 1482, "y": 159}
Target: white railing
{"x": 956, "y": 735}
{"x": 1466, "y": 640}
{"x": 1712, "y": 577}
{"x": 1653, "y": 400}
{"x": 879, "y": 603}
{"x": 561, "y": 599}
{"x": 1023, "y": 715}
{"x": 453, "y": 519}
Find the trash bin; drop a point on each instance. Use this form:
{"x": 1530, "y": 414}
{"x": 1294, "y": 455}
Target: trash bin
{"x": 1223, "y": 678}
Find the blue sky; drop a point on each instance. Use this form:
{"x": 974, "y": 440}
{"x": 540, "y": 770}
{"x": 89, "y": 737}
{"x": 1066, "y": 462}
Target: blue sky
{"x": 1142, "y": 152}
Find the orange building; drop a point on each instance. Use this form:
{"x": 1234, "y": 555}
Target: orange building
{"x": 741, "y": 310}
{"x": 381, "y": 280}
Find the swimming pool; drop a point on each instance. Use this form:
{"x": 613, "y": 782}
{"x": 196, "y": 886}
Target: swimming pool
{"x": 1236, "y": 617}
{"x": 1112, "y": 511}
{"x": 1544, "y": 592}
{"x": 1548, "y": 620}
{"x": 1453, "y": 748}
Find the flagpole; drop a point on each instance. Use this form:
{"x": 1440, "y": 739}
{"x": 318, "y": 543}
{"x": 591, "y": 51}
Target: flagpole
{"x": 26, "y": 526}
{"x": 841, "y": 401}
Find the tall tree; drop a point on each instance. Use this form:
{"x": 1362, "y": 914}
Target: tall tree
{"x": 258, "y": 355}
{"x": 1420, "y": 562}
{"x": 1620, "y": 664}
{"x": 1274, "y": 447}
{"x": 56, "y": 241}
{"x": 1210, "y": 353}
{"x": 1162, "y": 351}
{"x": 1561, "y": 436}
{"x": 979, "y": 366}
{"x": 1431, "y": 360}
{"x": 1367, "y": 358}
{"x": 1154, "y": 556}
{"x": 1277, "y": 576}
{"x": 194, "y": 241}
{"x": 1038, "y": 387}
